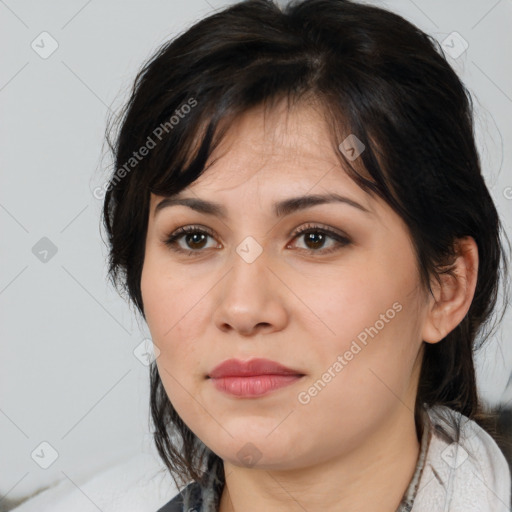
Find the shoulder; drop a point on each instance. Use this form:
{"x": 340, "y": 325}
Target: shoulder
{"x": 465, "y": 470}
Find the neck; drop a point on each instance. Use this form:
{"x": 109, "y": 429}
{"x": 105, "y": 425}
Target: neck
{"x": 357, "y": 481}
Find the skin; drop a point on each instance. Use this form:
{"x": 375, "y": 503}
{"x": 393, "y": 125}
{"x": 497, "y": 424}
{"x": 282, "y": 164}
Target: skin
{"x": 302, "y": 309}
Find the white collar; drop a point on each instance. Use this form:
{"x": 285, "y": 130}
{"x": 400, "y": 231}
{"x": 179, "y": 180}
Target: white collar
{"x": 464, "y": 471}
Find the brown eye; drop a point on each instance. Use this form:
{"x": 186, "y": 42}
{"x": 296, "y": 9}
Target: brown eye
{"x": 194, "y": 238}
{"x": 315, "y": 238}
{"x": 197, "y": 240}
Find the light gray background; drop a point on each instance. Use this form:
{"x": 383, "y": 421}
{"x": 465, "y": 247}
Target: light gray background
{"x": 68, "y": 373}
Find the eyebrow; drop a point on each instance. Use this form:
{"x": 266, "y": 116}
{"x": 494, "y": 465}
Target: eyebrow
{"x": 281, "y": 208}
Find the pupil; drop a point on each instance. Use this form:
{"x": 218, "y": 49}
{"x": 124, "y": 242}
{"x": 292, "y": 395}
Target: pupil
{"x": 311, "y": 236}
{"x": 193, "y": 235}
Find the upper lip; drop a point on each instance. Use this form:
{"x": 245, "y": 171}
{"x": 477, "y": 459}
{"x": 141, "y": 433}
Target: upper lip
{"x": 258, "y": 366}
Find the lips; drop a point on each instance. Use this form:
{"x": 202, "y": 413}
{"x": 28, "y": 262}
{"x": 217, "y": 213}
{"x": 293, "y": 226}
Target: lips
{"x": 251, "y": 368}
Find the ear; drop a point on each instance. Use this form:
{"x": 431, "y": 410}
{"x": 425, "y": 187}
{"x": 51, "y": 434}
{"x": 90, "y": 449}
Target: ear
{"x": 454, "y": 294}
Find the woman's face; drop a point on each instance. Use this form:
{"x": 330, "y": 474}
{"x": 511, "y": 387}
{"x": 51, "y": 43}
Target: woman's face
{"x": 347, "y": 314}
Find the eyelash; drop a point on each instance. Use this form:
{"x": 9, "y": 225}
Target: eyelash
{"x": 341, "y": 241}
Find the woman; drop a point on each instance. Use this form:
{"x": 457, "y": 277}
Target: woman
{"x": 314, "y": 249}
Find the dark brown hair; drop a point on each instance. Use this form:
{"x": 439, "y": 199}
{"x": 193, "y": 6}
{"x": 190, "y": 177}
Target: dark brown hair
{"x": 373, "y": 74}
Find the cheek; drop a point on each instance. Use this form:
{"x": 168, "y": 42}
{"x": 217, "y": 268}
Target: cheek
{"x": 174, "y": 309}
{"x": 168, "y": 298}
{"x": 166, "y": 319}
{"x": 342, "y": 306}
{"x": 369, "y": 315}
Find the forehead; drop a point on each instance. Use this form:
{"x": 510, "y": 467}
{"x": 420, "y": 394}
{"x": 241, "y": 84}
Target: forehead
{"x": 280, "y": 151}
{"x": 297, "y": 133}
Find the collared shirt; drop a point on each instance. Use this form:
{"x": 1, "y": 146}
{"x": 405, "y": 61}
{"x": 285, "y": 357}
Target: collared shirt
{"x": 459, "y": 468}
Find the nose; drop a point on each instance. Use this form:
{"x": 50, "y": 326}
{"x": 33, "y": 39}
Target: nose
{"x": 251, "y": 298}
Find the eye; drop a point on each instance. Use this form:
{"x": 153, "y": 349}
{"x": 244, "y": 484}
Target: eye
{"x": 195, "y": 238}
{"x": 315, "y": 237}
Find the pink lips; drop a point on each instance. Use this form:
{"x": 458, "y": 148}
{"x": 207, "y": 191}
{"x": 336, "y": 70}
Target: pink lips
{"x": 252, "y": 378}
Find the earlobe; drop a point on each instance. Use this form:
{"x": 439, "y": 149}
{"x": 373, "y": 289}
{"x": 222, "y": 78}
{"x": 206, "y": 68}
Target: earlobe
{"x": 453, "y": 293}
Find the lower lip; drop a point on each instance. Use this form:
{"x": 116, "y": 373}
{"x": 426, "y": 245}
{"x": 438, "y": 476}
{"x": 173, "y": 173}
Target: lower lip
{"x": 254, "y": 386}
